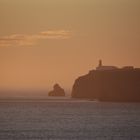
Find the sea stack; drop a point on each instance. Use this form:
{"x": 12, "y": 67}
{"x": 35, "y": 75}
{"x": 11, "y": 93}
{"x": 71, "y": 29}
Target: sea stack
{"x": 109, "y": 83}
{"x": 57, "y": 91}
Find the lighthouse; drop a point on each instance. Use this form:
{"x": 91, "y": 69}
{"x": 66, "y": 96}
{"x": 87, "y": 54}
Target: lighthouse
{"x": 100, "y": 63}
{"x": 101, "y": 67}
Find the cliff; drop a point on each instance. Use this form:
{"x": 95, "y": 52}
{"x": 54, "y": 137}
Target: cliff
{"x": 109, "y": 85}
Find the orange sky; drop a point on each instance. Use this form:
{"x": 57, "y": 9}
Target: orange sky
{"x": 48, "y": 41}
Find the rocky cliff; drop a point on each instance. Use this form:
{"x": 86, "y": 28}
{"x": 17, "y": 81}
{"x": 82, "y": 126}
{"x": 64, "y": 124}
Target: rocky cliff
{"x": 109, "y": 85}
{"x": 57, "y": 91}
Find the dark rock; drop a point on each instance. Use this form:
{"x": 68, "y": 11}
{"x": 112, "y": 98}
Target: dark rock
{"x": 109, "y": 85}
{"x": 57, "y": 91}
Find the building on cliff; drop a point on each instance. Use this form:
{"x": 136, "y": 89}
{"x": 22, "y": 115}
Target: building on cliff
{"x": 109, "y": 83}
{"x": 102, "y": 67}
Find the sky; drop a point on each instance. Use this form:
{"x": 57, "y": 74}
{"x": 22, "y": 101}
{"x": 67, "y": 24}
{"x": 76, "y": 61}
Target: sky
{"x": 43, "y": 42}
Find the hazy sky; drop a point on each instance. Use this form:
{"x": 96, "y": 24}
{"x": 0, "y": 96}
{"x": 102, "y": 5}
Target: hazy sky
{"x": 48, "y": 41}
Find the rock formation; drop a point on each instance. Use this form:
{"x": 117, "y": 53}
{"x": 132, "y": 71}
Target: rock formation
{"x": 57, "y": 91}
{"x": 109, "y": 85}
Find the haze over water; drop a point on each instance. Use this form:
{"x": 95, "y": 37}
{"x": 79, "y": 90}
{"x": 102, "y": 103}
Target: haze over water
{"x": 43, "y": 42}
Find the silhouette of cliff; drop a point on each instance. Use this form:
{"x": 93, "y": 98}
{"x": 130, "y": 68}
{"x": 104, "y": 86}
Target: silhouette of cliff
{"x": 57, "y": 91}
{"x": 109, "y": 85}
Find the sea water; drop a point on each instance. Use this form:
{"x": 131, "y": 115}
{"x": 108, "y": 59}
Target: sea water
{"x": 68, "y": 119}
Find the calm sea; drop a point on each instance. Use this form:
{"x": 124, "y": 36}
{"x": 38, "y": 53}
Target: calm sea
{"x": 67, "y": 119}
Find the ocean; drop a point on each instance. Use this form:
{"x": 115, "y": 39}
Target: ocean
{"x": 68, "y": 119}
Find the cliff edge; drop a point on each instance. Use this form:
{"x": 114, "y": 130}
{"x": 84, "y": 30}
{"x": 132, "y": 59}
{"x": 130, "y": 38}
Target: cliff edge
{"x": 120, "y": 85}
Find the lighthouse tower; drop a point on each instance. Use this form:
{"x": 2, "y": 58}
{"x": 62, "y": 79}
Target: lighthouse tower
{"x": 100, "y": 63}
